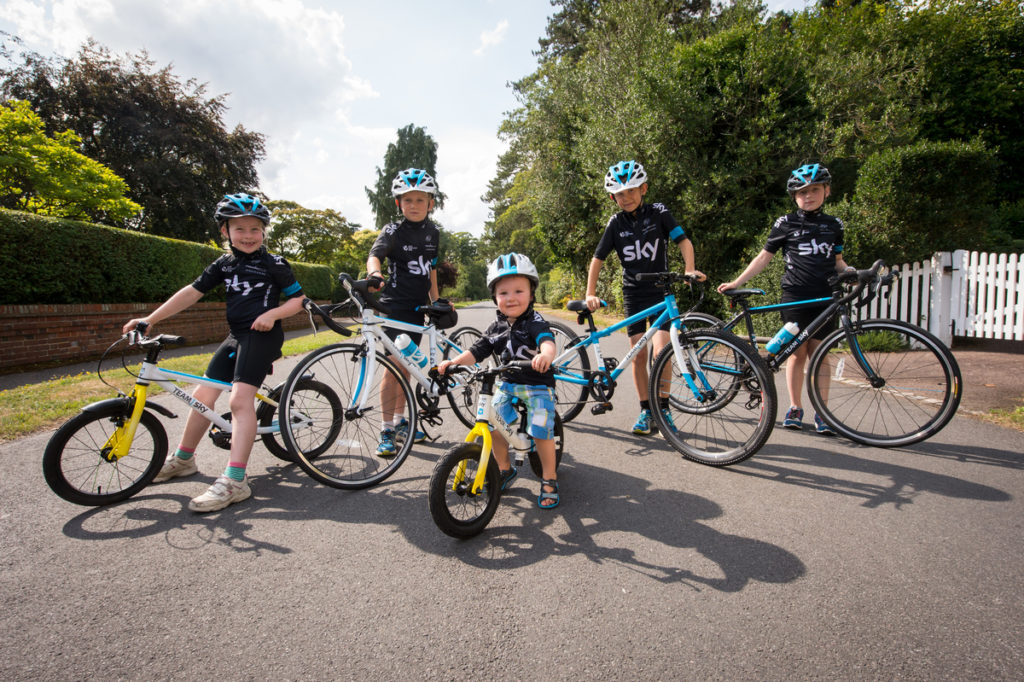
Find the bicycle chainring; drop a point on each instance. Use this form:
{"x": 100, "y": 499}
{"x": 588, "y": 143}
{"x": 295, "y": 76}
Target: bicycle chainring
{"x": 601, "y": 386}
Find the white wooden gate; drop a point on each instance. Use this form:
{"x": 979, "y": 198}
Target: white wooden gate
{"x": 964, "y": 293}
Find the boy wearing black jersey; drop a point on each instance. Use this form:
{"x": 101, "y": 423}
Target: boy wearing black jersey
{"x": 255, "y": 280}
{"x": 812, "y": 246}
{"x": 410, "y": 246}
{"x": 639, "y": 234}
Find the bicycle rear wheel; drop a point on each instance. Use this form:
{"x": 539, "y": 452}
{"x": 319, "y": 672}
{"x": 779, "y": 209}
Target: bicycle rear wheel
{"x": 569, "y": 397}
{"x": 729, "y": 412}
{"x": 917, "y": 393}
{"x": 75, "y": 467}
{"x": 462, "y": 395}
{"x": 455, "y": 509}
{"x": 313, "y": 436}
{"x": 349, "y": 459}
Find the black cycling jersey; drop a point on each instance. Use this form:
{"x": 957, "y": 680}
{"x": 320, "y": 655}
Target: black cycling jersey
{"x": 520, "y": 341}
{"x": 254, "y": 282}
{"x": 641, "y": 240}
{"x": 810, "y": 243}
{"x": 411, "y": 251}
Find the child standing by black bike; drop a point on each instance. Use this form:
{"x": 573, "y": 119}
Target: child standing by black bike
{"x": 812, "y": 246}
{"x": 255, "y": 281}
{"x": 640, "y": 234}
{"x": 520, "y": 333}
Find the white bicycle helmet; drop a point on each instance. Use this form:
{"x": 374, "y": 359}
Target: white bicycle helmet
{"x": 624, "y": 175}
{"x": 511, "y": 264}
{"x": 413, "y": 180}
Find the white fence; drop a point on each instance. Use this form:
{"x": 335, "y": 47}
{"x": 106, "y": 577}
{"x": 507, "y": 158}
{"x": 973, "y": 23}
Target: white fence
{"x": 964, "y": 293}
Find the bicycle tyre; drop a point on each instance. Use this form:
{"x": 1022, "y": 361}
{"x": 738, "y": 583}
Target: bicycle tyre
{"x": 698, "y": 320}
{"x": 534, "y": 458}
{"x": 730, "y": 431}
{"x": 349, "y": 461}
{"x": 569, "y": 397}
{"x": 921, "y": 393}
{"x": 308, "y": 398}
{"x": 462, "y": 395}
{"x": 74, "y": 468}
{"x": 455, "y": 510}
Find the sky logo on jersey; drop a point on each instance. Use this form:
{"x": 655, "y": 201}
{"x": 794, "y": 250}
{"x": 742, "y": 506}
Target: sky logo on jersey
{"x": 234, "y": 285}
{"x": 419, "y": 266}
{"x": 814, "y": 248}
{"x": 639, "y": 250}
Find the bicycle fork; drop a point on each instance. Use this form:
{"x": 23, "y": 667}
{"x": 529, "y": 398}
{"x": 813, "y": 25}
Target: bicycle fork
{"x": 121, "y": 439}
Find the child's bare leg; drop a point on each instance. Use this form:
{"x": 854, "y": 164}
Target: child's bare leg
{"x": 548, "y": 464}
{"x": 196, "y": 424}
{"x": 825, "y": 377}
{"x": 640, "y": 376}
{"x": 392, "y": 399}
{"x": 243, "y": 422}
{"x": 661, "y": 339}
{"x": 795, "y": 375}
{"x": 499, "y": 450}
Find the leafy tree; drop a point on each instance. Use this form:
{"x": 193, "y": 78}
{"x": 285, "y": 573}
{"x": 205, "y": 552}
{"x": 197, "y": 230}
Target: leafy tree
{"x": 310, "y": 235}
{"x": 165, "y": 137}
{"x": 48, "y": 176}
{"x": 414, "y": 148}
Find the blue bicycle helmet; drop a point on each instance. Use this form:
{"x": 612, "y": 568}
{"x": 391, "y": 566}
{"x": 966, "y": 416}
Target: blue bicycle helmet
{"x": 238, "y": 205}
{"x": 413, "y": 180}
{"x": 511, "y": 264}
{"x": 806, "y": 175}
{"x": 624, "y": 175}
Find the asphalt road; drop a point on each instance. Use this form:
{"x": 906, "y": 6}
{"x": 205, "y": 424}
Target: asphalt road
{"x": 816, "y": 559}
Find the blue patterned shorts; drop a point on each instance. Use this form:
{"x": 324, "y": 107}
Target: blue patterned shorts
{"x": 540, "y": 407}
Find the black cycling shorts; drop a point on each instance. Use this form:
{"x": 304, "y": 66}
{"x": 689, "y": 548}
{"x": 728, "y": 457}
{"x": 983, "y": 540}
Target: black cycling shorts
{"x": 804, "y": 316}
{"x": 246, "y": 357}
{"x": 409, "y": 316}
{"x": 638, "y": 302}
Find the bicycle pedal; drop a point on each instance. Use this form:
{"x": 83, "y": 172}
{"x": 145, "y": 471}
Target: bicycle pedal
{"x": 601, "y": 408}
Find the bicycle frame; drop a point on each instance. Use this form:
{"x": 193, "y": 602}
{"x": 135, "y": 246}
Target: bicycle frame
{"x": 837, "y": 304}
{"x": 121, "y": 440}
{"x": 666, "y": 311}
{"x": 372, "y": 335}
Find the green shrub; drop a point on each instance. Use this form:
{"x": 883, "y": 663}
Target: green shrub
{"x": 49, "y": 260}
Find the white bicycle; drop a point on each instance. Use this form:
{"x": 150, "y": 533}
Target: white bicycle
{"x": 355, "y": 372}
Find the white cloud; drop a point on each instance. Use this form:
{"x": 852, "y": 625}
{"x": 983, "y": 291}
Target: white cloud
{"x": 493, "y": 37}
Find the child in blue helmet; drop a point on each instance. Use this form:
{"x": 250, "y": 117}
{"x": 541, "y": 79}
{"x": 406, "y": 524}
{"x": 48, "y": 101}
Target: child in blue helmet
{"x": 520, "y": 333}
{"x": 255, "y": 280}
{"x": 639, "y": 234}
{"x": 411, "y": 247}
{"x": 812, "y": 246}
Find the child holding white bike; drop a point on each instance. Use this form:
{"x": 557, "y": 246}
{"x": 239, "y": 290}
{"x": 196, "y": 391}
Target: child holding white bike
{"x": 520, "y": 333}
{"x": 812, "y": 246}
{"x": 411, "y": 247}
{"x": 255, "y": 280}
{"x": 639, "y": 234}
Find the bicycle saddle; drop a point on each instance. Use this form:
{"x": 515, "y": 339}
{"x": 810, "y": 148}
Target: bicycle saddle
{"x": 736, "y": 293}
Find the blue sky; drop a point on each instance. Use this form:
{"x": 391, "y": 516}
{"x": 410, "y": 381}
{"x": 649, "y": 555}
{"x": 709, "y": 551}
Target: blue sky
{"x": 330, "y": 82}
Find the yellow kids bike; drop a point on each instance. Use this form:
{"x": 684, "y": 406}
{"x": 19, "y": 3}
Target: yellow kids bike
{"x": 115, "y": 447}
{"x": 465, "y": 487}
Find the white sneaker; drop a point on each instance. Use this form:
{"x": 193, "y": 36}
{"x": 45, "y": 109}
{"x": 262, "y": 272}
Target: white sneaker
{"x": 223, "y": 492}
{"x": 176, "y": 467}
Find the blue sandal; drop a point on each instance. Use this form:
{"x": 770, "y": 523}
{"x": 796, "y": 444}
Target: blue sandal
{"x": 507, "y": 476}
{"x": 548, "y": 496}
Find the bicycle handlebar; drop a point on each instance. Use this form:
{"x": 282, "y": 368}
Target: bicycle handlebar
{"x": 476, "y": 372}
{"x": 325, "y": 314}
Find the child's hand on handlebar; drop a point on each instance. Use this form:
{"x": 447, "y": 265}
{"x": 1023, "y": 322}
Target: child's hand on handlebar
{"x": 442, "y": 366}
{"x": 698, "y": 274}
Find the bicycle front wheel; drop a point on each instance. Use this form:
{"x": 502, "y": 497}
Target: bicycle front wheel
{"x": 350, "y": 458}
{"x": 462, "y": 395}
{"x": 721, "y": 409}
{"x": 570, "y": 397}
{"x": 915, "y": 394}
{"x": 454, "y": 507}
{"x": 77, "y": 466}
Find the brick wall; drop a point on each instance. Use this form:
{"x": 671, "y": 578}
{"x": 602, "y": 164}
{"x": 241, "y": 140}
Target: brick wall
{"x": 34, "y": 335}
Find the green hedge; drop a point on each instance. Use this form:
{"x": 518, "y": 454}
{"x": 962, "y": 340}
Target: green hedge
{"x": 49, "y": 260}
